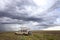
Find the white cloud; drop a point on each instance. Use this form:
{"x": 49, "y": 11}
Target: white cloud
{"x": 44, "y": 2}
{"x": 53, "y": 28}
{"x": 3, "y": 4}
{"x": 57, "y": 21}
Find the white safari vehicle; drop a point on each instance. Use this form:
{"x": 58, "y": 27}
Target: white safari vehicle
{"x": 24, "y": 30}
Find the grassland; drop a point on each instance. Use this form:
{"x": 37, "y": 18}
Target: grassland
{"x": 36, "y": 35}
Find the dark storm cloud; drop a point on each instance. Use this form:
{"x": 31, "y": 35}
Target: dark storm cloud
{"x": 5, "y": 14}
{"x": 19, "y": 10}
{"x": 10, "y": 11}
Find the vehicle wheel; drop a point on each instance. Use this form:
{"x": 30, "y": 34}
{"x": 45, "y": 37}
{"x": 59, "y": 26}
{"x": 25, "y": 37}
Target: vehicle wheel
{"x": 29, "y": 33}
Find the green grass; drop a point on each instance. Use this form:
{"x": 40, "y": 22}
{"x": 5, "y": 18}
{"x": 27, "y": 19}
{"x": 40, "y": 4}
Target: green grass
{"x": 36, "y": 35}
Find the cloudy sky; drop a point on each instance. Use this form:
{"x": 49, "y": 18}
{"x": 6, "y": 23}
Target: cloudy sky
{"x": 36, "y": 14}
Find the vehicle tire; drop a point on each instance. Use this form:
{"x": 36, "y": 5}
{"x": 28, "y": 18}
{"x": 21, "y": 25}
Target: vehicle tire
{"x": 29, "y": 33}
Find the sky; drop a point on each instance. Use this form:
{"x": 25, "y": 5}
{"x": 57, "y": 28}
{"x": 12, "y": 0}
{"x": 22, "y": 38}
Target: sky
{"x": 36, "y": 14}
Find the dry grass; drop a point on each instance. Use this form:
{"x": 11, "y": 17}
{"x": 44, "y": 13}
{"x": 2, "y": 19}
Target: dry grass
{"x": 36, "y": 35}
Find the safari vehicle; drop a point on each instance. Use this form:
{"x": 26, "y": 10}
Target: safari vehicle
{"x": 24, "y": 30}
